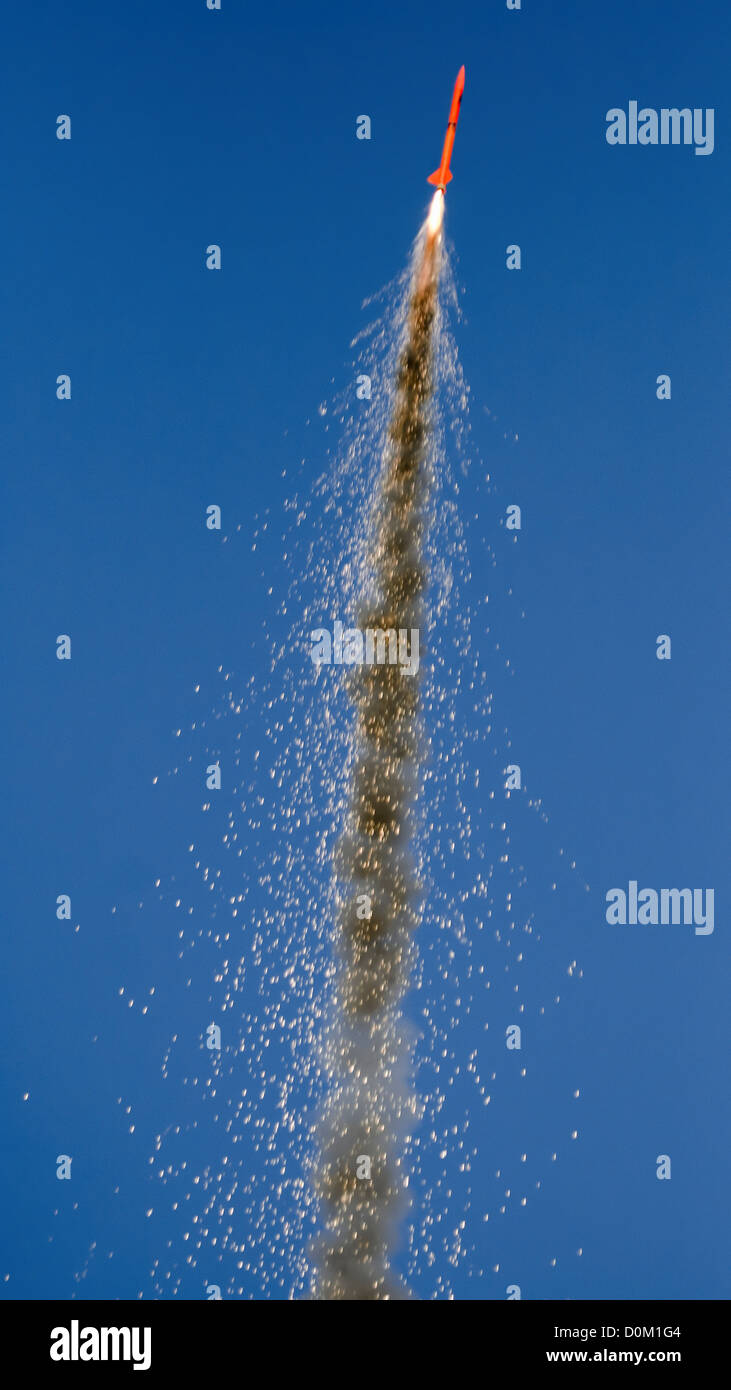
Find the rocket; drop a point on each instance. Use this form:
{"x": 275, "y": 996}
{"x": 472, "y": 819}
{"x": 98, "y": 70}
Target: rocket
{"x": 442, "y": 175}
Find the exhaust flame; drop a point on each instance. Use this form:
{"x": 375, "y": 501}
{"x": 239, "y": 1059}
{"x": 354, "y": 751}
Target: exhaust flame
{"x": 436, "y": 214}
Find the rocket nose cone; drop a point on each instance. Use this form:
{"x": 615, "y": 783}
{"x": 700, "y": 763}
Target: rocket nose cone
{"x": 459, "y": 85}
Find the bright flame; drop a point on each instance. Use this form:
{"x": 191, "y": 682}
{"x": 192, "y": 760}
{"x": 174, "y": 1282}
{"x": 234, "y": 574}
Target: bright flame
{"x": 436, "y": 213}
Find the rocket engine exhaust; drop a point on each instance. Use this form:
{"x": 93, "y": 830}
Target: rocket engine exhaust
{"x": 371, "y": 1101}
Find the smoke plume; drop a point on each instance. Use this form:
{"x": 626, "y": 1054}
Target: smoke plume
{"x": 371, "y": 1102}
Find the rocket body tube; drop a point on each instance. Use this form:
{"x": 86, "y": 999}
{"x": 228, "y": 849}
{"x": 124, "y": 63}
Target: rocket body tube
{"x": 442, "y": 176}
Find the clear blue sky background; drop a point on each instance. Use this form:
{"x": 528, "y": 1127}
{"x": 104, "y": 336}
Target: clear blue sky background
{"x": 191, "y": 127}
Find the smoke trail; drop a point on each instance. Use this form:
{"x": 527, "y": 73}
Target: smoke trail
{"x": 245, "y": 913}
{"x": 358, "y": 1178}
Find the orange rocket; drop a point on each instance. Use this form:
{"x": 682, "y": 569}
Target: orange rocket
{"x": 442, "y": 175}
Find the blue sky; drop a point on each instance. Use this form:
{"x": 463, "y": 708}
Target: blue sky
{"x": 189, "y": 386}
